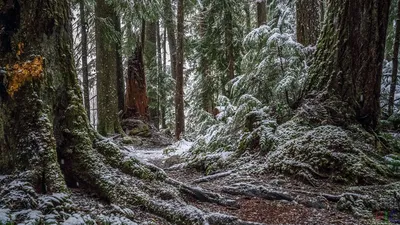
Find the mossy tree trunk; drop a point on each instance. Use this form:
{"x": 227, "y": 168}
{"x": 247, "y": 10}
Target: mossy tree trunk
{"x": 308, "y": 21}
{"x": 106, "y": 67}
{"x": 347, "y": 70}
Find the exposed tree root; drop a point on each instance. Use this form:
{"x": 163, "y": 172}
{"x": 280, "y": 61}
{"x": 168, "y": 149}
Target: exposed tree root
{"x": 256, "y": 191}
{"x": 213, "y": 177}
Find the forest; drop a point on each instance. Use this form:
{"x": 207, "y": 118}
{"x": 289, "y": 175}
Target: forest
{"x": 203, "y": 112}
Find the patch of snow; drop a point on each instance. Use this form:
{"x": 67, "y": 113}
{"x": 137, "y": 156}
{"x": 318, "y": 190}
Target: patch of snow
{"x": 75, "y": 219}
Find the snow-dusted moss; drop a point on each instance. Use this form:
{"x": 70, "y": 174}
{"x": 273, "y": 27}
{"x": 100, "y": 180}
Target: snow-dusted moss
{"x": 342, "y": 155}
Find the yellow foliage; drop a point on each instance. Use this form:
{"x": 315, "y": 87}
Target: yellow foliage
{"x": 19, "y": 73}
{"x": 20, "y": 48}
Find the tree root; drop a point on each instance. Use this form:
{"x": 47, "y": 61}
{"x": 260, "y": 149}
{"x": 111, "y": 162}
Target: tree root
{"x": 256, "y": 191}
{"x": 213, "y": 177}
{"x": 202, "y": 195}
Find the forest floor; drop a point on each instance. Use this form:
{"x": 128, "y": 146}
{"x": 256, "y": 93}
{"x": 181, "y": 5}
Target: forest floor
{"x": 300, "y": 204}
{"x": 260, "y": 197}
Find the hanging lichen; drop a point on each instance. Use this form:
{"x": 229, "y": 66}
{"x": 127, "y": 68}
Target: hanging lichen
{"x": 19, "y": 73}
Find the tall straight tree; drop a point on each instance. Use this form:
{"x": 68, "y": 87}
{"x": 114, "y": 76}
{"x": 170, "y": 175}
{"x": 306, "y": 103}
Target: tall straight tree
{"x": 136, "y": 101}
{"x": 347, "y": 69}
{"x": 308, "y": 18}
{"x": 170, "y": 26}
{"x": 395, "y": 61}
{"x": 229, "y": 46}
{"x": 207, "y": 91}
{"x": 150, "y": 56}
{"x": 84, "y": 47}
{"x": 106, "y": 67}
{"x": 160, "y": 73}
{"x": 261, "y": 12}
{"x": 179, "y": 103}
{"x": 120, "y": 71}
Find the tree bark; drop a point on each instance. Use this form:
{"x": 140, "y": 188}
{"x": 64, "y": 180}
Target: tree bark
{"x": 179, "y": 104}
{"x": 229, "y": 47}
{"x": 84, "y": 46}
{"x": 120, "y": 70}
{"x": 248, "y": 16}
{"x": 308, "y": 21}
{"x": 207, "y": 91}
{"x": 347, "y": 69}
{"x": 170, "y": 25}
{"x": 261, "y": 13}
{"x": 159, "y": 74}
{"x": 136, "y": 105}
{"x": 150, "y": 53}
{"x": 395, "y": 61}
{"x": 164, "y": 99}
{"x": 106, "y": 67}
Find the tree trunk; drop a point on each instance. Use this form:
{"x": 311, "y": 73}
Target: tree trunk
{"x": 207, "y": 91}
{"x": 229, "y": 47}
{"x": 395, "y": 61}
{"x": 150, "y": 53}
{"x": 106, "y": 67}
{"x": 170, "y": 25}
{"x": 120, "y": 70}
{"x": 136, "y": 105}
{"x": 308, "y": 21}
{"x": 84, "y": 46}
{"x": 179, "y": 104}
{"x": 348, "y": 62}
{"x": 248, "y": 16}
{"x": 262, "y": 12}
{"x": 164, "y": 97}
{"x": 159, "y": 73}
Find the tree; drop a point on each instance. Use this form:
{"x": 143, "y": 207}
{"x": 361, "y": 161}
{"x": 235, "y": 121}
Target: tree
{"x": 261, "y": 12}
{"x": 229, "y": 46}
{"x": 348, "y": 62}
{"x": 308, "y": 21}
{"x": 136, "y": 102}
{"x": 150, "y": 56}
{"x": 84, "y": 47}
{"x": 170, "y": 26}
{"x": 395, "y": 61}
{"x": 179, "y": 103}
{"x": 106, "y": 67}
{"x": 120, "y": 71}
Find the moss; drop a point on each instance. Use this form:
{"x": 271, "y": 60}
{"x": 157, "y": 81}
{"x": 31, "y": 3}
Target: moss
{"x": 328, "y": 152}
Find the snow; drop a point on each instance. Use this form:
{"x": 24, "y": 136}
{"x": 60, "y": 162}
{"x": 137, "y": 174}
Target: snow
{"x": 179, "y": 148}
{"x": 4, "y": 216}
{"x": 75, "y": 219}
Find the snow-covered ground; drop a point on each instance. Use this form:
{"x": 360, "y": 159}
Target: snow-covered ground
{"x": 158, "y": 154}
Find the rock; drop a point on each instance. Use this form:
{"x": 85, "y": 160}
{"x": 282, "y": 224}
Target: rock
{"x": 173, "y": 160}
{"x": 136, "y": 128}
{"x": 131, "y": 141}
